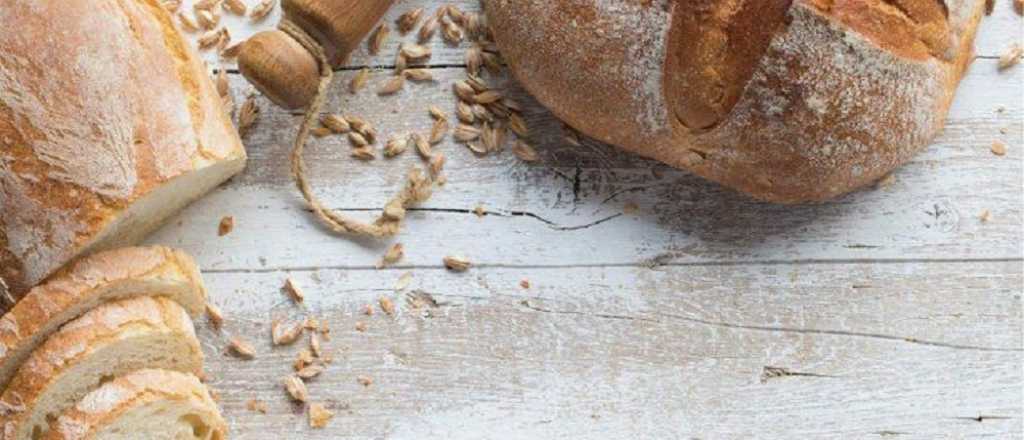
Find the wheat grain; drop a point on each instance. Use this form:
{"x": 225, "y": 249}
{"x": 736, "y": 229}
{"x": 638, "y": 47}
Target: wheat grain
{"x": 296, "y": 388}
{"x": 380, "y": 36}
{"x": 262, "y": 10}
{"x": 407, "y": 21}
{"x": 392, "y": 85}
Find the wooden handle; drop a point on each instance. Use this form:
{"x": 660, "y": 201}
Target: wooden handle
{"x": 280, "y": 68}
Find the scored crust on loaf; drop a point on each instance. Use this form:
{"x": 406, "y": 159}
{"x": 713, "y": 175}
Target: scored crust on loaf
{"x": 84, "y": 284}
{"x": 103, "y": 108}
{"x": 787, "y": 101}
{"x": 152, "y": 404}
{"x": 110, "y": 340}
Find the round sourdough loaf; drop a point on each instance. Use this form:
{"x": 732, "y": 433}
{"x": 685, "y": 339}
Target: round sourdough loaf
{"x": 113, "y": 339}
{"x": 109, "y": 123}
{"x": 150, "y": 404}
{"x": 787, "y": 100}
{"x": 89, "y": 282}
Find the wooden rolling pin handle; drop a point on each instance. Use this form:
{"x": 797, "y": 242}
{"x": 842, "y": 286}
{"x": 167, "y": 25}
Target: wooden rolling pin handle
{"x": 280, "y": 68}
{"x": 284, "y": 71}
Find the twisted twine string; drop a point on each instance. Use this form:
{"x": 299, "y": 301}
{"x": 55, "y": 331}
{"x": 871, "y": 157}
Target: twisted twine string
{"x": 417, "y": 189}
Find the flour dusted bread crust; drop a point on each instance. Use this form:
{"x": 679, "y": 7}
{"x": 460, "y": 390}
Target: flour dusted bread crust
{"x": 787, "y": 100}
{"x": 111, "y": 340}
{"x": 151, "y": 404}
{"x": 109, "y": 123}
{"x": 89, "y": 282}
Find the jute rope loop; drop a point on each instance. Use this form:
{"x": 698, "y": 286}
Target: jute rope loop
{"x": 417, "y": 189}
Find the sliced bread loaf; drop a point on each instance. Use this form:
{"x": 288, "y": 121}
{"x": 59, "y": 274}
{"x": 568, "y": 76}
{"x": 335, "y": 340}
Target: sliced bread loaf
{"x": 109, "y": 341}
{"x": 107, "y": 276}
{"x": 150, "y": 404}
{"x": 106, "y": 130}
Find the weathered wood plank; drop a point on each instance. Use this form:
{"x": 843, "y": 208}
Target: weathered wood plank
{"x": 569, "y": 209}
{"x": 865, "y": 350}
{"x": 997, "y": 33}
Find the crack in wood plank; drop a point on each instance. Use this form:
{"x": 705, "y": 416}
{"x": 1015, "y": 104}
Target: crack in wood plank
{"x": 640, "y": 265}
{"x": 506, "y": 213}
{"x": 779, "y": 329}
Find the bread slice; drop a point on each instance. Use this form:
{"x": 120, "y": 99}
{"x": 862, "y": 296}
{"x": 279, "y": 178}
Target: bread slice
{"x": 105, "y": 130}
{"x": 107, "y": 276}
{"x": 109, "y": 341}
{"x": 150, "y": 404}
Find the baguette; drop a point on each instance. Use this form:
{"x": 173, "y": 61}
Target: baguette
{"x": 109, "y": 123}
{"x": 108, "y": 341}
{"x": 151, "y": 404}
{"x": 786, "y": 100}
{"x": 107, "y": 276}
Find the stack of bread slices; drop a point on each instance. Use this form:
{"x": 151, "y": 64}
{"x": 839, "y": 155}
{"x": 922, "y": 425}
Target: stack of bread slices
{"x": 107, "y": 349}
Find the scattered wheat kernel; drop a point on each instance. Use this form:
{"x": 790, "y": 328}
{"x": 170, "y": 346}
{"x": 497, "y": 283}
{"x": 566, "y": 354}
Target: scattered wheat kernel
{"x": 314, "y": 344}
{"x": 380, "y": 36}
{"x": 437, "y": 164}
{"x": 303, "y": 359}
{"x": 364, "y": 153}
{"x": 524, "y": 151}
{"x": 247, "y": 115}
{"x": 422, "y": 145}
{"x": 480, "y": 211}
{"x": 285, "y": 334}
{"x": 396, "y": 145}
{"x": 985, "y": 216}
{"x": 242, "y": 349}
{"x": 262, "y": 10}
{"x": 437, "y": 113}
{"x": 415, "y": 51}
{"x": 464, "y": 112}
{"x": 215, "y": 315}
{"x": 256, "y": 406}
{"x": 518, "y": 125}
{"x": 369, "y": 133}
{"x": 466, "y": 133}
{"x": 207, "y": 19}
{"x": 393, "y": 255}
{"x": 392, "y": 85}
{"x": 400, "y": 63}
{"x": 368, "y": 310}
{"x": 464, "y": 91}
{"x": 206, "y": 4}
{"x": 403, "y": 281}
{"x": 357, "y": 140}
{"x": 319, "y": 416}
{"x": 407, "y": 21}
{"x": 310, "y": 372}
{"x": 236, "y": 7}
{"x": 427, "y": 30}
{"x": 488, "y": 97}
{"x": 296, "y": 388}
{"x": 361, "y": 326}
{"x": 210, "y": 39}
{"x": 474, "y": 60}
{"x": 1011, "y": 57}
{"x": 438, "y": 131}
{"x": 365, "y": 381}
{"x": 418, "y": 75}
{"x": 359, "y": 81}
{"x": 335, "y": 123}
{"x": 293, "y": 290}
{"x": 227, "y": 223}
{"x": 477, "y": 147}
{"x": 456, "y": 263}
{"x": 187, "y": 22}
{"x": 387, "y": 305}
{"x": 998, "y": 148}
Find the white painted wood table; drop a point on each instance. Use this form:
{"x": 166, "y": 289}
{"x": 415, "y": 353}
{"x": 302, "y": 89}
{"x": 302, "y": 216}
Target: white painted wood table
{"x": 889, "y": 313}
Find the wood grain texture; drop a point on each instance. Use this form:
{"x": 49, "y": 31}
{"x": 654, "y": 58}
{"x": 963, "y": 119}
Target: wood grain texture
{"x": 857, "y": 351}
{"x": 890, "y": 313}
